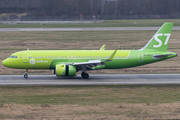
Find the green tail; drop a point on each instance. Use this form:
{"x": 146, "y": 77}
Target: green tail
{"x": 160, "y": 41}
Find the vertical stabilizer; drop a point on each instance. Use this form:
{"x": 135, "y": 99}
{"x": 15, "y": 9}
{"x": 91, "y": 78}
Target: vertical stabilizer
{"x": 160, "y": 40}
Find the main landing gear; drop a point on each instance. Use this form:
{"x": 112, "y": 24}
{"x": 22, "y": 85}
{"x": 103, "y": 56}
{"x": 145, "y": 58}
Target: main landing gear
{"x": 26, "y": 74}
{"x": 85, "y": 75}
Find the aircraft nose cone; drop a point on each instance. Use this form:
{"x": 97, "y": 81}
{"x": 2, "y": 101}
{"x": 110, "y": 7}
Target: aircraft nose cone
{"x": 4, "y": 62}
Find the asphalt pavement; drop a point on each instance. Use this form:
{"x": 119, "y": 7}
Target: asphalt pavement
{"x": 95, "y": 79}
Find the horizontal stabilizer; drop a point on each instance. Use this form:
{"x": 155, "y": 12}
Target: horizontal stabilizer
{"x": 161, "y": 56}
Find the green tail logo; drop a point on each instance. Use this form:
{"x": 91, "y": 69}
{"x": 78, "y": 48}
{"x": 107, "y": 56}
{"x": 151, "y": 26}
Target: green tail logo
{"x": 160, "y": 40}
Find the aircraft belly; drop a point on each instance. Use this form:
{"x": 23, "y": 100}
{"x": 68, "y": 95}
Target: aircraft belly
{"x": 35, "y": 66}
{"x": 121, "y": 63}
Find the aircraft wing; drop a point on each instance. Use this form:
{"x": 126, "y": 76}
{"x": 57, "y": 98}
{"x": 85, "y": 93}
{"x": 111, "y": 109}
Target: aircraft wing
{"x": 94, "y": 63}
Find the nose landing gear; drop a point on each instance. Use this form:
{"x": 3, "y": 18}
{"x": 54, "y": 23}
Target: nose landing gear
{"x": 26, "y": 74}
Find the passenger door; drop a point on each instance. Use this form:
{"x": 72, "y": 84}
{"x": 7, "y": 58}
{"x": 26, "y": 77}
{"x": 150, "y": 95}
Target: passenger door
{"x": 140, "y": 57}
{"x": 25, "y": 57}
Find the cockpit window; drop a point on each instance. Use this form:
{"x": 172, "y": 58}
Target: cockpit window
{"x": 13, "y": 57}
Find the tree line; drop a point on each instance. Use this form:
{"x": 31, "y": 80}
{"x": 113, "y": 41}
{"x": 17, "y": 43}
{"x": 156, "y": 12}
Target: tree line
{"x": 90, "y": 7}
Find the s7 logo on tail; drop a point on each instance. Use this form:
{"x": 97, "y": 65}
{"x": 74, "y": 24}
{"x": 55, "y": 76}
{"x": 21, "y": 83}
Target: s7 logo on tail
{"x": 159, "y": 41}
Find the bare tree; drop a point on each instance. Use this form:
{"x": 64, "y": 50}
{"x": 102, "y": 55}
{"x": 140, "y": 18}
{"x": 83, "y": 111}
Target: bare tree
{"x": 102, "y": 6}
{"x": 116, "y": 2}
{"x": 90, "y": 7}
{"x": 91, "y": 4}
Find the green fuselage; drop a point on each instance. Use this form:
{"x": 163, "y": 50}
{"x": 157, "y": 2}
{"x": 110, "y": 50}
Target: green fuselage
{"x": 48, "y": 59}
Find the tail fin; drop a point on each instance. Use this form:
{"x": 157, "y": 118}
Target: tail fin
{"x": 160, "y": 40}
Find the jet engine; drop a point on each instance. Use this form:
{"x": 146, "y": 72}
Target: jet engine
{"x": 65, "y": 70}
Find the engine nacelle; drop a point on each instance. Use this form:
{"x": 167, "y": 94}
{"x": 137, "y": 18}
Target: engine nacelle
{"x": 65, "y": 70}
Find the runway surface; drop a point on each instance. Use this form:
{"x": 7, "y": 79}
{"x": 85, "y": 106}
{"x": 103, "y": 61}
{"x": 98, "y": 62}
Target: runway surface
{"x": 82, "y": 29}
{"x": 98, "y": 79}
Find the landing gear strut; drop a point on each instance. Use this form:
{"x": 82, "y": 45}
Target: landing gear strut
{"x": 26, "y": 74}
{"x": 85, "y": 75}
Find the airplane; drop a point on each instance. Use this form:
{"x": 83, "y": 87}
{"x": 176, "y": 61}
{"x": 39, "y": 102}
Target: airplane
{"x": 68, "y": 62}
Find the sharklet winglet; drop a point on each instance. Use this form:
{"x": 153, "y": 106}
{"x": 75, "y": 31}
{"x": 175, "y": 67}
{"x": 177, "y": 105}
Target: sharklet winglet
{"x": 103, "y": 47}
{"x": 111, "y": 57}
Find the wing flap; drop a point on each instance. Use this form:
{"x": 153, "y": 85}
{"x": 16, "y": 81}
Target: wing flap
{"x": 87, "y": 63}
